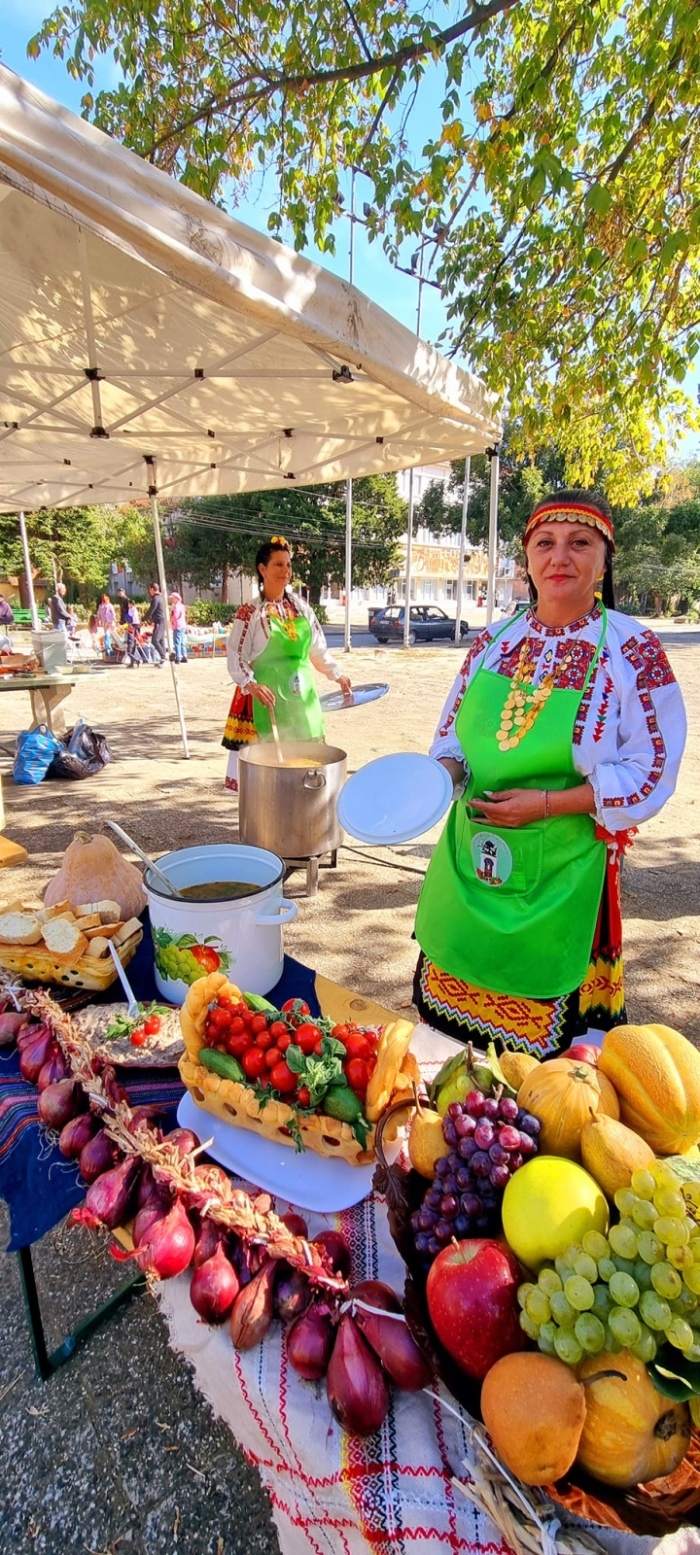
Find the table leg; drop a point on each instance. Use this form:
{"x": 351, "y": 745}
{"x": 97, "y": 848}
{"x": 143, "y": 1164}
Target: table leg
{"x": 47, "y": 1363}
{"x": 312, "y": 876}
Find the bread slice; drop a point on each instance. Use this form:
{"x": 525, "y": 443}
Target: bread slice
{"x": 91, "y": 920}
{"x": 105, "y": 931}
{"x": 98, "y": 946}
{"x": 107, "y": 911}
{"x": 20, "y": 928}
{"x": 65, "y": 941}
{"x": 45, "y": 913}
{"x": 126, "y": 930}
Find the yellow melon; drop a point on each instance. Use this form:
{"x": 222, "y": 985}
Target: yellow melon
{"x": 656, "y": 1073}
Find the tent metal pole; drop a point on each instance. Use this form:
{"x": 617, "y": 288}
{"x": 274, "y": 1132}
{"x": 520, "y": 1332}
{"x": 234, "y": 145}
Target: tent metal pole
{"x": 462, "y": 543}
{"x": 28, "y": 573}
{"x": 409, "y": 560}
{"x": 493, "y": 534}
{"x": 348, "y": 562}
{"x": 153, "y": 494}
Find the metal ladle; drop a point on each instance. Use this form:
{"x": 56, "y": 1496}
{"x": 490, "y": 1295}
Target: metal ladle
{"x": 155, "y": 871}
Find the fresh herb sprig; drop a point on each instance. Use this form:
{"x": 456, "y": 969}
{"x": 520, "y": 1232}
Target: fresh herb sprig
{"x": 123, "y": 1025}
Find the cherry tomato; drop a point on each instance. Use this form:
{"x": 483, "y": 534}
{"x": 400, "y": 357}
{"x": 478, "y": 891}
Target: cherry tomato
{"x": 340, "y": 1033}
{"x": 295, "y": 1007}
{"x": 357, "y": 1074}
{"x": 239, "y": 1043}
{"x": 237, "y": 1024}
{"x": 307, "y": 1036}
{"x": 283, "y": 1042}
{"x": 303, "y": 1097}
{"x": 220, "y": 1018}
{"x": 357, "y": 1046}
{"x": 272, "y": 1057}
{"x": 318, "y": 1050}
{"x": 210, "y": 1029}
{"x": 253, "y": 1062}
{"x": 151, "y": 1025}
{"x": 279, "y": 1028}
{"x": 259, "y": 1023}
{"x": 138, "y": 1036}
{"x": 281, "y": 1077}
{"x": 263, "y": 1038}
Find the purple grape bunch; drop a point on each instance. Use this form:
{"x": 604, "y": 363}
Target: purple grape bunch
{"x": 489, "y": 1137}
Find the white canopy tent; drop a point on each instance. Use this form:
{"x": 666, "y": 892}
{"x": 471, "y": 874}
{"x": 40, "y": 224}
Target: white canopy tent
{"x": 150, "y": 345}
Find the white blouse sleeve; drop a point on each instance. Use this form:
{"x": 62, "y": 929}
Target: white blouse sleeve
{"x": 446, "y": 742}
{"x": 239, "y": 646}
{"x": 319, "y": 654}
{"x": 635, "y": 729}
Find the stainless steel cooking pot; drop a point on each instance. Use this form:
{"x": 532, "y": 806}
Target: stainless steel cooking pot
{"x": 291, "y": 808}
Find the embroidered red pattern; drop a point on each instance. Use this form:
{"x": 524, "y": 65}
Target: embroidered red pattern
{"x": 641, "y": 655}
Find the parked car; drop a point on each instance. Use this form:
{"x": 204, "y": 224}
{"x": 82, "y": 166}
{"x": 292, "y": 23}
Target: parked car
{"x": 426, "y": 623}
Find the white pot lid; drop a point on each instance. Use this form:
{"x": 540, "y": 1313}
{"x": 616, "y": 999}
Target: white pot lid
{"x": 336, "y": 701}
{"x": 394, "y": 798}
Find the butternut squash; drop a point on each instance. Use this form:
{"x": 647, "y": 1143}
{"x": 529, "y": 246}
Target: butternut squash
{"x": 92, "y": 869}
{"x": 656, "y": 1073}
{"x": 631, "y": 1433}
{"x": 565, "y": 1094}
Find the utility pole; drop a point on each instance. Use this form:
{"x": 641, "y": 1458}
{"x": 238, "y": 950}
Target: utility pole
{"x": 462, "y": 544}
{"x": 409, "y": 539}
{"x": 348, "y": 484}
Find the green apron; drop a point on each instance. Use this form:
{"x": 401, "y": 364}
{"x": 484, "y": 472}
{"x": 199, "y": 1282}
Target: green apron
{"x": 284, "y": 666}
{"x": 514, "y": 909}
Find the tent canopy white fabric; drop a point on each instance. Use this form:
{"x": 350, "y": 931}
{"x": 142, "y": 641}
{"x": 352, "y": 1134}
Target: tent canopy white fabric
{"x": 139, "y": 322}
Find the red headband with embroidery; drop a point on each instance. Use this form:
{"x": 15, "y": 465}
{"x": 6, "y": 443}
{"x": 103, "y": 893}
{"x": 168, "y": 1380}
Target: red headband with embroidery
{"x": 554, "y": 510}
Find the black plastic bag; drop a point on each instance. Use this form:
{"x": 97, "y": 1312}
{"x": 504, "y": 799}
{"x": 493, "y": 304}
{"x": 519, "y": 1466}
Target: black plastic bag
{"x": 84, "y": 753}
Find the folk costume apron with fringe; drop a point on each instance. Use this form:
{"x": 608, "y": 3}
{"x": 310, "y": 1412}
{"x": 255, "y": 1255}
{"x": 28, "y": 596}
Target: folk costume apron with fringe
{"x": 515, "y": 909}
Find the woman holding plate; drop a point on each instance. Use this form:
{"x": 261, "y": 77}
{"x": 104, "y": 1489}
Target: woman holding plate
{"x": 563, "y": 732}
{"x": 271, "y": 647}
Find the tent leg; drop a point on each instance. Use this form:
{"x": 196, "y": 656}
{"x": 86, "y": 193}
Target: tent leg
{"x": 28, "y": 573}
{"x": 348, "y": 561}
{"x": 493, "y": 534}
{"x": 409, "y": 561}
{"x": 462, "y": 543}
{"x": 153, "y": 494}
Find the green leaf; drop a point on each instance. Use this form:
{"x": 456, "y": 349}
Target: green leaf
{"x": 450, "y": 1068}
{"x": 295, "y": 1059}
{"x": 674, "y": 1376}
{"x": 598, "y": 200}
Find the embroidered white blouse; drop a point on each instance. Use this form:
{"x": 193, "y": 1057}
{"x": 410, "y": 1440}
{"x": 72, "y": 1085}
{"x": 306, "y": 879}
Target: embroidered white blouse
{"x": 250, "y": 634}
{"x": 630, "y": 729}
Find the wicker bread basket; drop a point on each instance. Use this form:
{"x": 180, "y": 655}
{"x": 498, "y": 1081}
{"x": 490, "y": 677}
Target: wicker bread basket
{"x": 35, "y": 964}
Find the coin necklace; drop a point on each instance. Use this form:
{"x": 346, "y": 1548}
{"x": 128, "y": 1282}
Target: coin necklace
{"x": 524, "y": 702}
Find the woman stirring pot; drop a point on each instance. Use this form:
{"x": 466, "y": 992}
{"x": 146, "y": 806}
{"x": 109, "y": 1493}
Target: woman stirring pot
{"x": 271, "y": 647}
{"x": 566, "y": 728}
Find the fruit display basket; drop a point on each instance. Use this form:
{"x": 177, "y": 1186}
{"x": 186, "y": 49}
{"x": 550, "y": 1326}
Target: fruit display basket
{"x": 632, "y": 1517}
{"x": 35, "y": 964}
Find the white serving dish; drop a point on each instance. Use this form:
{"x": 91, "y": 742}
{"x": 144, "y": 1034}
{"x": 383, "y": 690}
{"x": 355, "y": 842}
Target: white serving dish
{"x": 395, "y": 799}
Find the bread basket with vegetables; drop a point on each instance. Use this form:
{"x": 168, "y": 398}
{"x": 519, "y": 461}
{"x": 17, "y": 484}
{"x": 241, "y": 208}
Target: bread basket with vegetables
{"x": 311, "y": 1084}
{"x": 60, "y": 945}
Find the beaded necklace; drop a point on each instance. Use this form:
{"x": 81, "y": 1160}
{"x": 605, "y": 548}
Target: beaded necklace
{"x": 524, "y": 702}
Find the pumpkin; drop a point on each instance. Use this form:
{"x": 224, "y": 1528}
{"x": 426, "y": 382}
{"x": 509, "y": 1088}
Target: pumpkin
{"x": 656, "y": 1073}
{"x": 564, "y": 1094}
{"x": 631, "y": 1433}
{"x": 93, "y": 870}
{"x": 538, "y": 1444}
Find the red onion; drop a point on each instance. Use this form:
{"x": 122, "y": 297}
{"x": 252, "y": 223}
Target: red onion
{"x": 393, "y": 1342}
{"x": 377, "y": 1294}
{"x": 310, "y": 1342}
{"x": 208, "y": 1238}
{"x": 183, "y": 1139}
{"x": 142, "y": 1117}
{"x": 35, "y": 1053}
{"x": 112, "y": 1089}
{"x": 55, "y": 1068}
{"x": 212, "y": 1182}
{"x": 108, "y": 1198}
{"x": 148, "y": 1190}
{"x": 146, "y": 1218}
{"x": 11, "y": 1024}
{"x": 240, "y": 1258}
{"x": 214, "y": 1287}
{"x": 60, "y": 1102}
{"x": 30, "y": 1030}
{"x": 253, "y": 1309}
{"x": 337, "y": 1250}
{"x": 295, "y": 1223}
{"x": 76, "y": 1134}
{"x": 357, "y": 1389}
{"x": 168, "y": 1246}
{"x": 292, "y": 1293}
{"x": 97, "y": 1156}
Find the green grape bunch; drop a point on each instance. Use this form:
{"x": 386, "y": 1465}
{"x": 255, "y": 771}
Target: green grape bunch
{"x": 630, "y": 1290}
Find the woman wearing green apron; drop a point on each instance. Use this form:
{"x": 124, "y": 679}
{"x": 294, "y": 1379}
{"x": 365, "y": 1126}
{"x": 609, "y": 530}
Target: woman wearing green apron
{"x": 563, "y": 731}
{"x": 271, "y": 647}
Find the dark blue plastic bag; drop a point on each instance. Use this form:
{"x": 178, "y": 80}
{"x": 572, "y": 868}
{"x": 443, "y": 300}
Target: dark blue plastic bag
{"x": 34, "y": 752}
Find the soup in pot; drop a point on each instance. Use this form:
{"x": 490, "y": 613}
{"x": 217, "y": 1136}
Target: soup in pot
{"x": 220, "y": 890}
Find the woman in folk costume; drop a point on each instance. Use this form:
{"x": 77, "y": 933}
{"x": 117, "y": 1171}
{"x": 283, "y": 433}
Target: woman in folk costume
{"x": 270, "y": 650}
{"x": 566, "y": 729}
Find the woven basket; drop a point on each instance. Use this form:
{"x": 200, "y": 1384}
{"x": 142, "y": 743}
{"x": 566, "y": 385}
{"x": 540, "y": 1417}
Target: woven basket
{"x": 234, "y": 1103}
{"x": 36, "y": 965}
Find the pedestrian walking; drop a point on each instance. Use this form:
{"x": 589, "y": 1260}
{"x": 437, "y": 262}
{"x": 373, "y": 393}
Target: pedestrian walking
{"x": 178, "y": 622}
{"x": 60, "y": 615}
{"x": 156, "y": 616}
{"x": 106, "y": 618}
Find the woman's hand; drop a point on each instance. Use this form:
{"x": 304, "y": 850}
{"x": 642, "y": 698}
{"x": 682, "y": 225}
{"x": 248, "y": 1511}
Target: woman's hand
{"x": 345, "y": 684}
{"x": 262, "y": 694}
{"x": 512, "y": 806}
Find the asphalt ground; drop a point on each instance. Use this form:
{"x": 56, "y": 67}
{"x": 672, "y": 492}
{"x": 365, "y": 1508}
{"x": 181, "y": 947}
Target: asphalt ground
{"x": 118, "y": 1453}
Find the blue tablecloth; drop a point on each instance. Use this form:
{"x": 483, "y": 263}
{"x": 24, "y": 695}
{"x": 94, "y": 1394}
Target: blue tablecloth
{"x": 36, "y": 1182}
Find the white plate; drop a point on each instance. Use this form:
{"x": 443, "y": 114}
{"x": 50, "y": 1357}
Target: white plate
{"x": 394, "y": 798}
{"x": 307, "y": 1180}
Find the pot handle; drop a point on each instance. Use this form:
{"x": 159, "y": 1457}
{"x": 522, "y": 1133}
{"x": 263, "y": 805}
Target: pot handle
{"x": 288, "y": 910}
{"x": 314, "y": 779}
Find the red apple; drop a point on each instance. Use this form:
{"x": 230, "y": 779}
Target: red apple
{"x": 472, "y": 1299}
{"x": 584, "y": 1053}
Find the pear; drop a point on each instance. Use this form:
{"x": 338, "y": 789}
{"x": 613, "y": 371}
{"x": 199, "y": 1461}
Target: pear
{"x": 426, "y": 1141}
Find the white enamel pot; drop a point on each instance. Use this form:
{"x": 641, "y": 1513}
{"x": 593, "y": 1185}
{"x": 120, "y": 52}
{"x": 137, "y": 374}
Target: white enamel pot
{"x": 241, "y": 937}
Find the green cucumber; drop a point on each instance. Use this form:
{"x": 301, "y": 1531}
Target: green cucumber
{"x": 223, "y": 1064}
{"x": 261, "y": 1006}
{"x": 339, "y": 1101}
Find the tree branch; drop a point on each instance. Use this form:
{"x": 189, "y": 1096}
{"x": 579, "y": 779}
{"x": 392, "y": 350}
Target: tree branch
{"x": 358, "y": 30}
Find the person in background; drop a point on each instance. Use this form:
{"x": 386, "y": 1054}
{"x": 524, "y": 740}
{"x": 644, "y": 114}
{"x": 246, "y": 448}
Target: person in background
{"x": 106, "y": 618}
{"x": 178, "y": 622}
{"x": 271, "y": 647}
{"x": 6, "y": 620}
{"x": 123, "y": 606}
{"x": 135, "y": 651}
{"x": 156, "y": 616}
{"x": 60, "y": 615}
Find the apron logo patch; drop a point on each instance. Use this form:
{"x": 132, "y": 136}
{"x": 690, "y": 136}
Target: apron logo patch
{"x": 493, "y": 860}
{"x": 295, "y": 685}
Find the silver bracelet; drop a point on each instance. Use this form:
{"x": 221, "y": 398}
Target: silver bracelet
{"x": 545, "y": 800}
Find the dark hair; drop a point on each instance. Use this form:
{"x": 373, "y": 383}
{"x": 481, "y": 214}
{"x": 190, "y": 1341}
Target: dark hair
{"x": 594, "y": 499}
{"x": 263, "y": 554}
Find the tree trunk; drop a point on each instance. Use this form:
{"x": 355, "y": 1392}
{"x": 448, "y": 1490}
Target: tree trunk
{"x": 225, "y": 574}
